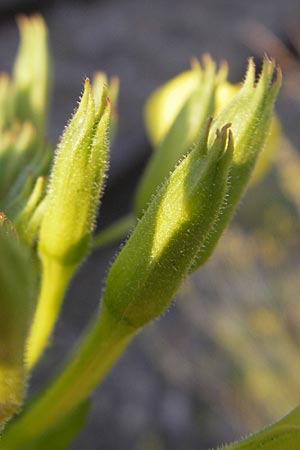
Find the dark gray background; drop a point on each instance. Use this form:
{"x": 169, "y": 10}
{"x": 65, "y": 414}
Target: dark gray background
{"x": 149, "y": 401}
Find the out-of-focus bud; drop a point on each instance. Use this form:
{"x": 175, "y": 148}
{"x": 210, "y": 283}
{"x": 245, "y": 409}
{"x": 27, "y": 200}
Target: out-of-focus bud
{"x": 16, "y": 310}
{"x": 31, "y": 75}
{"x": 23, "y": 222}
{"x": 250, "y": 113}
{"x": 158, "y": 255}
{"x": 16, "y": 149}
{"x": 21, "y": 188}
{"x": 70, "y": 209}
{"x": 174, "y": 116}
{"x": 23, "y": 110}
{"x": 165, "y": 103}
{"x": 224, "y": 94}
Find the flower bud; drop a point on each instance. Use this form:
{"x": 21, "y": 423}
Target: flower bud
{"x": 175, "y": 114}
{"x": 100, "y": 87}
{"x": 20, "y": 189}
{"x": 16, "y": 149}
{"x": 165, "y": 103}
{"x": 75, "y": 184}
{"x": 268, "y": 151}
{"x": 158, "y": 255}
{"x": 23, "y": 221}
{"x": 69, "y": 210}
{"x": 225, "y": 93}
{"x": 31, "y": 75}
{"x": 250, "y": 113}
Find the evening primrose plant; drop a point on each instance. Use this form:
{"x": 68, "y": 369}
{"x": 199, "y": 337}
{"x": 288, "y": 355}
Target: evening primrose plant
{"x": 208, "y": 137}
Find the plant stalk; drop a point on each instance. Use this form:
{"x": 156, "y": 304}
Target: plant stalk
{"x": 55, "y": 280}
{"x": 103, "y": 343}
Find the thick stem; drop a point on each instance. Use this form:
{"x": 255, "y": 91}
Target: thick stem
{"x": 102, "y": 345}
{"x": 55, "y": 280}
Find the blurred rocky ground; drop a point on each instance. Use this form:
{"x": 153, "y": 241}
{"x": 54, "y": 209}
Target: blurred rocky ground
{"x": 208, "y": 371}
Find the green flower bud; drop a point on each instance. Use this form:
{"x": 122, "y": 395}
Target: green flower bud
{"x": 267, "y": 154}
{"x": 21, "y": 188}
{"x": 16, "y": 310}
{"x": 23, "y": 222}
{"x": 75, "y": 184}
{"x": 225, "y": 93}
{"x": 250, "y": 113}
{"x": 175, "y": 114}
{"x": 165, "y": 103}
{"x": 31, "y": 75}
{"x": 158, "y": 255}
{"x": 100, "y": 90}
{"x": 16, "y": 149}
{"x": 20, "y": 200}
{"x": 70, "y": 209}
{"x": 23, "y": 110}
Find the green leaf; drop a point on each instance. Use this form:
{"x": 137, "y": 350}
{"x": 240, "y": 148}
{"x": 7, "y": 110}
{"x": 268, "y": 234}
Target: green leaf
{"x": 16, "y": 312}
{"x": 5, "y": 101}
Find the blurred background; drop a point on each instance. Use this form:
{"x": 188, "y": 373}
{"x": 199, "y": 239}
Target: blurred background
{"x": 225, "y": 360}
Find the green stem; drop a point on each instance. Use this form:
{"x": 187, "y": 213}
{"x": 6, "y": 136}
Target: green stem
{"x": 104, "y": 342}
{"x": 116, "y": 231}
{"x": 55, "y": 280}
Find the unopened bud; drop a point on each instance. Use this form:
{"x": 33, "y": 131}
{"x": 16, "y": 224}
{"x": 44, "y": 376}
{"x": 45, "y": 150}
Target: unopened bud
{"x": 158, "y": 255}
{"x": 75, "y": 184}
{"x": 69, "y": 210}
{"x": 250, "y": 113}
{"x": 175, "y": 115}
